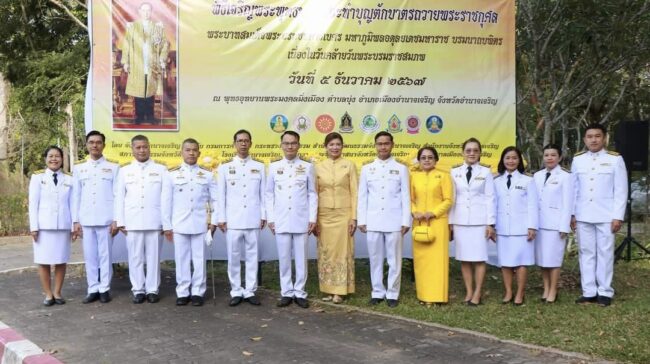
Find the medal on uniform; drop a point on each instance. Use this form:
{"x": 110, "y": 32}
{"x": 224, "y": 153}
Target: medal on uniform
{"x": 280, "y": 171}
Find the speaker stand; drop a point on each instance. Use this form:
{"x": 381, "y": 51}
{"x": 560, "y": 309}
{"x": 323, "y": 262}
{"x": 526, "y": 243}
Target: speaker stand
{"x": 626, "y": 245}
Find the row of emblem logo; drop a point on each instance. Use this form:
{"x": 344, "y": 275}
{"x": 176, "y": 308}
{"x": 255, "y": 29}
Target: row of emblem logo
{"x": 325, "y": 124}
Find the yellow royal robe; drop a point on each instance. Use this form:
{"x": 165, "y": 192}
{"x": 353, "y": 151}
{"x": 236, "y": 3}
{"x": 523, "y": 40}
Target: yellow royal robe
{"x": 432, "y": 192}
{"x": 337, "y": 184}
{"x": 137, "y": 40}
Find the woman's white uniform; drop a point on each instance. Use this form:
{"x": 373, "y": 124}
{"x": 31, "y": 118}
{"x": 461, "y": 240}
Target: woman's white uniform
{"x": 473, "y": 210}
{"x": 49, "y": 214}
{"x": 516, "y": 213}
{"x": 555, "y": 206}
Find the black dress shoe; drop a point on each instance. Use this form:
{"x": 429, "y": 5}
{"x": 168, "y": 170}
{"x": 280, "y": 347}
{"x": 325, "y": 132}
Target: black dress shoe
{"x": 582, "y": 300}
{"x": 48, "y": 302}
{"x": 90, "y": 298}
{"x": 302, "y": 302}
{"x": 253, "y": 300}
{"x": 285, "y": 301}
{"x": 505, "y": 302}
{"x": 375, "y": 301}
{"x": 138, "y": 298}
{"x": 392, "y": 303}
{"x": 604, "y": 301}
{"x": 197, "y": 301}
{"x": 105, "y": 297}
{"x": 235, "y": 301}
{"x": 182, "y": 301}
{"x": 152, "y": 298}
{"x": 472, "y": 304}
{"x": 59, "y": 301}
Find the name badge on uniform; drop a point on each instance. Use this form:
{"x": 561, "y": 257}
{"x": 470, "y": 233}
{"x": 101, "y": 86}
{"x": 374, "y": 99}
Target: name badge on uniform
{"x": 153, "y": 174}
{"x": 606, "y": 164}
{"x": 553, "y": 182}
{"x": 394, "y": 171}
{"x": 458, "y": 176}
{"x": 479, "y": 178}
{"x": 255, "y": 171}
{"x": 280, "y": 171}
{"x": 107, "y": 170}
{"x": 520, "y": 188}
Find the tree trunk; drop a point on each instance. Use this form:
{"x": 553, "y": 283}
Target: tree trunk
{"x": 72, "y": 143}
{"x": 4, "y": 118}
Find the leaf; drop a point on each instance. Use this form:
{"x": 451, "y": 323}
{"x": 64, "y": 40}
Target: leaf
{"x": 256, "y": 338}
{"x": 247, "y": 353}
{"x": 265, "y": 325}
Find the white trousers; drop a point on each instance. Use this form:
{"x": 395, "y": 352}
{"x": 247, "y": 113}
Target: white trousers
{"x": 97, "y": 245}
{"x": 237, "y": 239}
{"x": 596, "y": 247}
{"x": 288, "y": 242}
{"x": 189, "y": 250}
{"x": 388, "y": 245}
{"x": 143, "y": 246}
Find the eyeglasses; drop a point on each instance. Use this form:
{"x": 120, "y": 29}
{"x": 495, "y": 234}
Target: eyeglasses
{"x": 242, "y": 141}
{"x": 427, "y": 158}
{"x": 290, "y": 144}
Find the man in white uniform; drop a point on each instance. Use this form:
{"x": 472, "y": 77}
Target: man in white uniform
{"x": 241, "y": 215}
{"x": 92, "y": 215}
{"x": 384, "y": 213}
{"x": 600, "y": 181}
{"x": 291, "y": 207}
{"x": 188, "y": 195}
{"x": 138, "y": 216}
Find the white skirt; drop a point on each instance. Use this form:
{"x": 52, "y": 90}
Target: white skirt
{"x": 515, "y": 250}
{"x": 471, "y": 243}
{"x": 53, "y": 247}
{"x": 549, "y": 248}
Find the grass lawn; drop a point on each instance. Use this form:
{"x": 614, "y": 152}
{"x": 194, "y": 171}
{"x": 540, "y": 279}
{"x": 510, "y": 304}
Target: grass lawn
{"x": 620, "y": 332}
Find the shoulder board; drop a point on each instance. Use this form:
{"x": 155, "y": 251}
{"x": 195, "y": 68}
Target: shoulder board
{"x": 457, "y": 165}
{"x": 497, "y": 175}
{"x": 257, "y": 160}
{"x": 174, "y": 168}
{"x": 485, "y": 165}
{"x": 566, "y": 170}
{"x": 226, "y": 161}
{"x": 580, "y": 153}
{"x": 111, "y": 160}
{"x": 276, "y": 159}
{"x": 40, "y": 171}
{"x": 160, "y": 162}
{"x": 400, "y": 161}
{"x": 125, "y": 164}
{"x": 204, "y": 168}
{"x": 367, "y": 162}
{"x": 541, "y": 170}
{"x": 80, "y": 162}
{"x": 528, "y": 174}
{"x": 304, "y": 159}
{"x": 611, "y": 152}
{"x": 67, "y": 173}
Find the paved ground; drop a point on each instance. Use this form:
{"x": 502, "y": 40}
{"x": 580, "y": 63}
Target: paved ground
{"x": 123, "y": 332}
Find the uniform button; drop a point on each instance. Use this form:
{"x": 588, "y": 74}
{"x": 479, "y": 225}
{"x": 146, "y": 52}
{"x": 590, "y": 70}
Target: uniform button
{"x": 382, "y": 198}
{"x": 191, "y": 189}
{"x": 590, "y": 200}
{"x": 244, "y": 196}
{"x": 592, "y": 168}
{"x": 289, "y": 176}
{"x": 289, "y": 197}
{"x": 141, "y": 207}
{"x": 244, "y": 185}
{"x": 382, "y": 209}
{"x": 290, "y": 208}
{"x": 244, "y": 206}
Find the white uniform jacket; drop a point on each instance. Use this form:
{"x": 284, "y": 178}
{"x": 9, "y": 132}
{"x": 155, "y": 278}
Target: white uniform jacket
{"x": 241, "y": 185}
{"x": 555, "y": 199}
{"x": 93, "y": 192}
{"x": 475, "y": 202}
{"x": 49, "y": 204}
{"x": 384, "y": 197}
{"x": 517, "y": 209}
{"x": 188, "y": 195}
{"x": 138, "y": 195}
{"x": 600, "y": 182}
{"x": 291, "y": 198}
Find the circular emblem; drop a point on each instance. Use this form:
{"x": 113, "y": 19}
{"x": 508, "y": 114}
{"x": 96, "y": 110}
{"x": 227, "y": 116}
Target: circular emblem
{"x": 369, "y": 124}
{"x": 279, "y": 123}
{"x": 434, "y": 124}
{"x": 301, "y": 124}
{"x": 412, "y": 124}
{"x": 325, "y": 123}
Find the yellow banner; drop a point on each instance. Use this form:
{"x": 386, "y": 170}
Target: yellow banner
{"x": 429, "y": 72}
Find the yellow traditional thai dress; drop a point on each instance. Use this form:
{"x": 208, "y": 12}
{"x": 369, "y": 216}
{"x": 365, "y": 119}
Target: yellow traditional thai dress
{"x": 336, "y": 183}
{"x": 432, "y": 192}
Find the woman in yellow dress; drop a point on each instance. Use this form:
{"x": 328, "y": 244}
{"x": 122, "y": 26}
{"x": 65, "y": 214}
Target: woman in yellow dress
{"x": 336, "y": 183}
{"x": 431, "y": 197}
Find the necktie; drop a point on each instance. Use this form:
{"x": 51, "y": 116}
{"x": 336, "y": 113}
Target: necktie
{"x": 548, "y": 174}
{"x": 56, "y": 181}
{"x": 469, "y": 173}
{"x": 509, "y": 181}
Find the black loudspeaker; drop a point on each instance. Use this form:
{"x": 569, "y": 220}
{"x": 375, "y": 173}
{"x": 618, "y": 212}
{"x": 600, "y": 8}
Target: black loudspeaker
{"x": 631, "y": 141}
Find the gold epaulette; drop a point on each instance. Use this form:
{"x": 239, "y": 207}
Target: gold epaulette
{"x": 205, "y": 168}
{"x": 257, "y": 160}
{"x": 226, "y": 161}
{"x": 304, "y": 159}
{"x": 485, "y": 165}
{"x": 40, "y": 171}
{"x": 172, "y": 169}
{"x": 457, "y": 165}
{"x": 125, "y": 164}
{"x": 367, "y": 162}
{"x": 579, "y": 153}
{"x": 566, "y": 170}
{"x": 276, "y": 159}
{"x": 611, "y": 152}
{"x": 67, "y": 173}
{"x": 80, "y": 162}
{"x": 528, "y": 174}
{"x": 400, "y": 161}
{"x": 112, "y": 161}
{"x": 497, "y": 175}
{"x": 160, "y": 162}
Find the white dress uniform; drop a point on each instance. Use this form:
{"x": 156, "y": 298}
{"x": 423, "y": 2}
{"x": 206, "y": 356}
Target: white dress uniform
{"x": 291, "y": 204}
{"x": 92, "y": 207}
{"x": 473, "y": 210}
{"x": 384, "y": 206}
{"x": 188, "y": 195}
{"x": 137, "y": 208}
{"x": 600, "y": 182}
{"x": 241, "y": 184}
{"x": 516, "y": 213}
{"x": 555, "y": 207}
{"x": 49, "y": 214}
